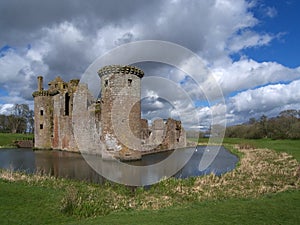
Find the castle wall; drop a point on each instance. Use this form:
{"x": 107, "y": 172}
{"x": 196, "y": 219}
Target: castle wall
{"x": 121, "y": 107}
{"x": 86, "y": 122}
{"x": 63, "y": 137}
{"x": 67, "y": 117}
{"x": 175, "y": 136}
{"x": 165, "y": 135}
{"x": 43, "y": 117}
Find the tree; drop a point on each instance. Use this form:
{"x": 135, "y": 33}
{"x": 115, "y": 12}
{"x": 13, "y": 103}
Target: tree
{"x": 252, "y": 120}
{"x": 30, "y": 121}
{"x": 289, "y": 113}
{"x": 264, "y": 125}
{"x": 21, "y": 119}
{"x": 295, "y": 131}
{"x": 3, "y": 124}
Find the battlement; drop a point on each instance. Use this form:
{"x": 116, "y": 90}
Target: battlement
{"x": 55, "y": 86}
{"x": 44, "y": 93}
{"x": 118, "y": 69}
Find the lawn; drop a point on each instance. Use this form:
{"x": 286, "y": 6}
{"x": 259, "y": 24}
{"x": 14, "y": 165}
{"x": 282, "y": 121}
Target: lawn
{"x": 289, "y": 146}
{"x": 281, "y": 208}
{"x": 21, "y": 203}
{"x": 7, "y": 139}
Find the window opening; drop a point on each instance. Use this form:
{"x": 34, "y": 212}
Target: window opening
{"x": 129, "y": 82}
{"x": 67, "y": 103}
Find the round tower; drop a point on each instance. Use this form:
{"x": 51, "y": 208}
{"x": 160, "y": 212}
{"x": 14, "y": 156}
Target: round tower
{"x": 121, "y": 107}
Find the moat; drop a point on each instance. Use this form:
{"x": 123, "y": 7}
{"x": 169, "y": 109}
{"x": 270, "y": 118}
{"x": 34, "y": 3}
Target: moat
{"x": 73, "y": 166}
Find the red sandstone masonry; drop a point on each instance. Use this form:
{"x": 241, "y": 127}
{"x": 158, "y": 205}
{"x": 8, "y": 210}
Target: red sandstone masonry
{"x": 67, "y": 117}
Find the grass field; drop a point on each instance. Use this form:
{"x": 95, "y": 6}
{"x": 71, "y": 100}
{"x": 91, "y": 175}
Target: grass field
{"x": 289, "y": 146}
{"x": 21, "y": 203}
{"x": 7, "y": 139}
{"x": 282, "y": 208}
{"x": 262, "y": 190}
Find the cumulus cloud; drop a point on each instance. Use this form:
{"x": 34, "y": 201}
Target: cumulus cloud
{"x": 5, "y": 109}
{"x": 64, "y": 37}
{"x": 247, "y": 73}
{"x": 268, "y": 100}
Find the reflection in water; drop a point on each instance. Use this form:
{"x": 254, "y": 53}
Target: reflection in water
{"x": 65, "y": 164}
{"x": 73, "y": 165}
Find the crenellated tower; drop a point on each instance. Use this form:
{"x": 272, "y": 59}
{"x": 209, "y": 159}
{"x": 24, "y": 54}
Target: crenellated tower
{"x": 53, "y": 114}
{"x": 121, "y": 106}
{"x": 43, "y": 116}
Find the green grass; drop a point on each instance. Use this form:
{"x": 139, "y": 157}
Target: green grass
{"x": 282, "y": 208}
{"x": 291, "y": 147}
{"x": 7, "y": 139}
{"x": 22, "y": 203}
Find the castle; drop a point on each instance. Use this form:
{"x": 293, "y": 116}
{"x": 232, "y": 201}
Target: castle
{"x": 68, "y": 117}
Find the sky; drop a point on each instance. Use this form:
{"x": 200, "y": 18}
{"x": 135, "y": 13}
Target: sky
{"x": 250, "y": 48}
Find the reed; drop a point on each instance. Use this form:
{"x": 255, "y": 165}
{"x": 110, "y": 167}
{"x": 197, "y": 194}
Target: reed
{"x": 260, "y": 171}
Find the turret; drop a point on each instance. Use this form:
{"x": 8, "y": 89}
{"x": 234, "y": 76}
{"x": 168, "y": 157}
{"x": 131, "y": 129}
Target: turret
{"x": 43, "y": 105}
{"x": 40, "y": 83}
{"x": 120, "y": 106}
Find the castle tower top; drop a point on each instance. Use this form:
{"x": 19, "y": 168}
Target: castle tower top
{"x": 119, "y": 69}
{"x": 40, "y": 83}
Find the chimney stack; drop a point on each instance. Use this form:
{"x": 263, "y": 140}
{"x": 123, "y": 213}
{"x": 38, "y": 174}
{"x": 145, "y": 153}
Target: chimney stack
{"x": 40, "y": 83}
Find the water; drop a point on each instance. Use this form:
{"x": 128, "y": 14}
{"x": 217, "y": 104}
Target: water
{"x": 73, "y": 165}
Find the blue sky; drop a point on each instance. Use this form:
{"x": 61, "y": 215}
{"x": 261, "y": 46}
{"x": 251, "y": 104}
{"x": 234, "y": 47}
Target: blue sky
{"x": 285, "y": 22}
{"x": 250, "y": 47}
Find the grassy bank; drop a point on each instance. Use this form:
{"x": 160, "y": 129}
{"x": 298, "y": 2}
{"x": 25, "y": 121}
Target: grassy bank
{"x": 289, "y": 146}
{"x": 264, "y": 189}
{"x": 22, "y": 203}
{"x": 281, "y": 208}
{"x": 7, "y": 139}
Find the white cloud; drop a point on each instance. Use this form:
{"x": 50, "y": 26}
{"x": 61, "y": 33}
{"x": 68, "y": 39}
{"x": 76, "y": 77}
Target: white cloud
{"x": 67, "y": 43}
{"x": 5, "y": 109}
{"x": 268, "y": 100}
{"x": 11, "y": 64}
{"x": 248, "y": 39}
{"x": 271, "y": 12}
{"x": 247, "y": 73}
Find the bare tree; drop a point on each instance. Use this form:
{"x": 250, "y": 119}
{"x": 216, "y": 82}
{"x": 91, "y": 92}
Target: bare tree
{"x": 20, "y": 119}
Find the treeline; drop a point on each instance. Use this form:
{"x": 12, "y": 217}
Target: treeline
{"x": 19, "y": 120}
{"x": 285, "y": 126}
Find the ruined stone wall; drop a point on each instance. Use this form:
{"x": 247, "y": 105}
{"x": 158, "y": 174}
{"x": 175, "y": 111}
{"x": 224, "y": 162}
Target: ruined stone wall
{"x": 175, "y": 136}
{"x": 145, "y": 131}
{"x": 53, "y": 115}
{"x": 43, "y": 116}
{"x": 63, "y": 135}
{"x": 165, "y": 135}
{"x": 67, "y": 117}
{"x": 86, "y": 122}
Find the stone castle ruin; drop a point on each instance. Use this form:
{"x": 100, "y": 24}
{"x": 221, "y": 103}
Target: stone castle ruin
{"x": 68, "y": 117}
